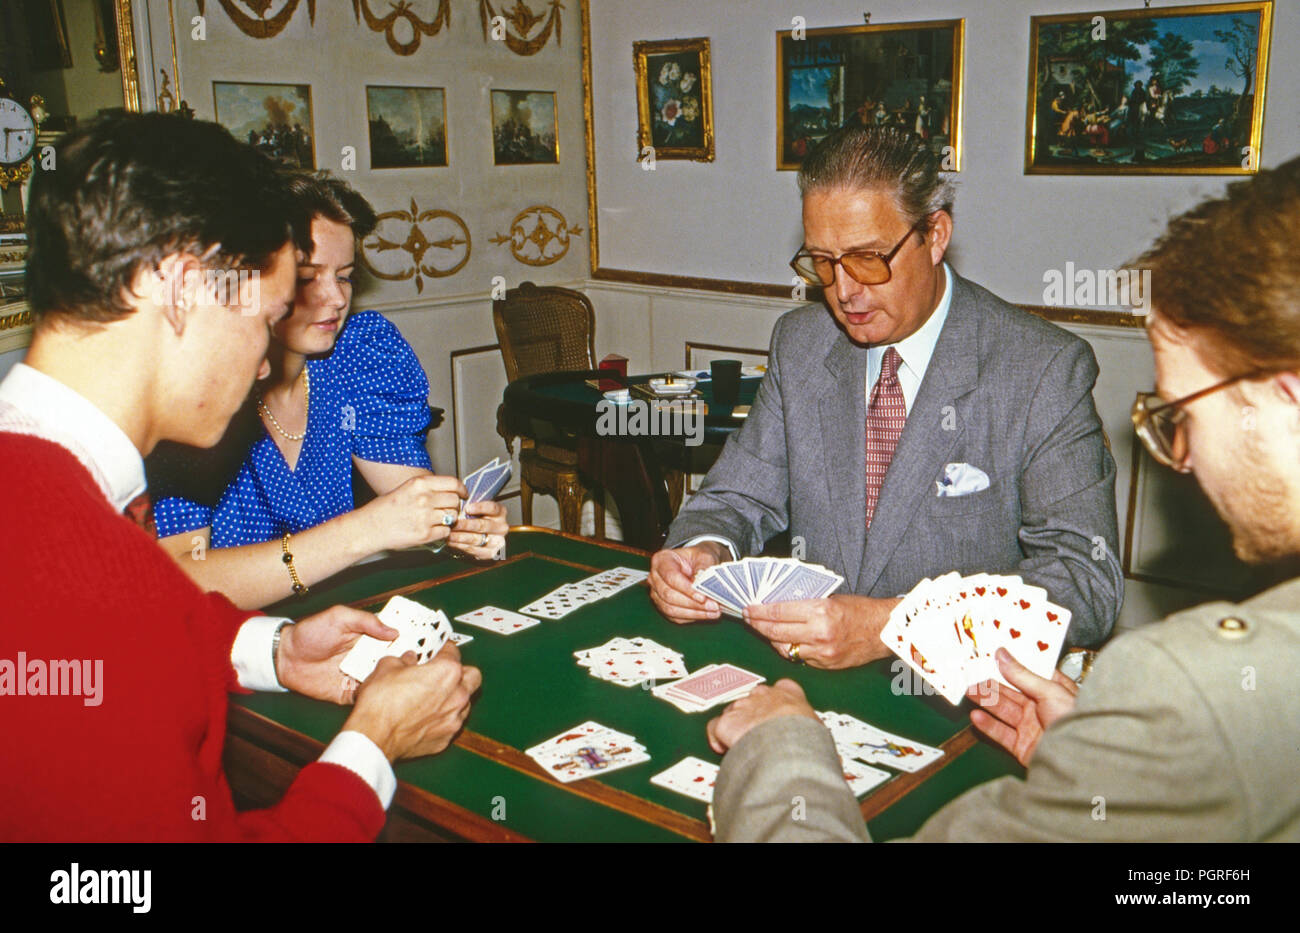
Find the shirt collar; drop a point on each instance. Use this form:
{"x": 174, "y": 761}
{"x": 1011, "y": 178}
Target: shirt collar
{"x": 917, "y": 349}
{"x": 72, "y": 421}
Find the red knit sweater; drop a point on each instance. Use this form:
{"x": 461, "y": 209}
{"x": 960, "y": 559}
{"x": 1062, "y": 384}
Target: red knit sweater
{"x": 80, "y": 581}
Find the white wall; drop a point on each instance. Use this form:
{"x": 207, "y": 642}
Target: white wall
{"x": 738, "y": 218}
{"x": 448, "y": 322}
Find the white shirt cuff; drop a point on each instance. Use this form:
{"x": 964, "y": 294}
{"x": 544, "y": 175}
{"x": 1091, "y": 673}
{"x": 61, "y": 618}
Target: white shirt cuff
{"x": 251, "y": 654}
{"x": 363, "y": 758}
{"x": 723, "y": 541}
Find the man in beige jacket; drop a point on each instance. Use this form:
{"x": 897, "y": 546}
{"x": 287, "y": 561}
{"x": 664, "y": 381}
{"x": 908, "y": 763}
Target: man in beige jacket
{"x": 1185, "y": 730}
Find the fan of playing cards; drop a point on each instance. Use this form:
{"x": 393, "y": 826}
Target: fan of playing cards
{"x": 740, "y": 583}
{"x": 948, "y": 630}
{"x": 485, "y": 482}
{"x": 423, "y": 630}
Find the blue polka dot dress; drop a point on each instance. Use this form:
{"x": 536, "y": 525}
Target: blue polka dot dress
{"x": 369, "y": 398}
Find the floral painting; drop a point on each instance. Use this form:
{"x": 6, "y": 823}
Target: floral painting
{"x": 674, "y": 99}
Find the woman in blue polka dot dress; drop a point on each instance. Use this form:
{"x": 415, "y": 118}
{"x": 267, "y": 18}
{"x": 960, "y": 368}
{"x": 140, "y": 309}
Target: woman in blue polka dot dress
{"x": 337, "y": 398}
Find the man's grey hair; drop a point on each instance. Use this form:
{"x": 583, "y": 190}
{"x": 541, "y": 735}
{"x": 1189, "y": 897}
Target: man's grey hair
{"x": 860, "y": 157}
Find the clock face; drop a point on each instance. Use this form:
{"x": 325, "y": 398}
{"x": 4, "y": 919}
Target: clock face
{"x": 17, "y": 132}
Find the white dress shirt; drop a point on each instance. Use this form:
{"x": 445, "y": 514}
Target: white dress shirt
{"x": 915, "y": 351}
{"x": 36, "y": 404}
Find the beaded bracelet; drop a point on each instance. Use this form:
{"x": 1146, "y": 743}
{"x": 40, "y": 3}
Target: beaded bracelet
{"x": 298, "y": 588}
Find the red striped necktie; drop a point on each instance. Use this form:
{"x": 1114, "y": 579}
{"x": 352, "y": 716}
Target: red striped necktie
{"x": 886, "y": 415}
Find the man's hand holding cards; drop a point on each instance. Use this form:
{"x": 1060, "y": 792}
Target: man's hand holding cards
{"x": 421, "y": 630}
{"x": 739, "y": 583}
{"x": 948, "y": 630}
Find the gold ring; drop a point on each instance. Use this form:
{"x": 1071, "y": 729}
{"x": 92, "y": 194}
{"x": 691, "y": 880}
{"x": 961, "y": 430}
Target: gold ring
{"x": 793, "y": 652}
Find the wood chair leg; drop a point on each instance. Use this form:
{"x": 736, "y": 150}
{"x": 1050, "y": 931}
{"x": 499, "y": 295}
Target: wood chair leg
{"x": 526, "y": 501}
{"x": 675, "y": 480}
{"x": 569, "y": 495}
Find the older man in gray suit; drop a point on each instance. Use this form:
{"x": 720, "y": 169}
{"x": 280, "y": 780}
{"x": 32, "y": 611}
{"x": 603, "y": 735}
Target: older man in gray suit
{"x": 922, "y": 426}
{"x": 1185, "y": 730}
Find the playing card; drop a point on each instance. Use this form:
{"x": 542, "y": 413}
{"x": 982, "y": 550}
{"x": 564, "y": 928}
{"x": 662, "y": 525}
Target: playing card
{"x": 867, "y": 743}
{"x": 948, "y": 629}
{"x": 460, "y": 639}
{"x": 586, "y": 750}
{"x": 712, "y": 586}
{"x": 501, "y": 621}
{"x": 862, "y": 778}
{"x": 591, "y": 760}
{"x": 710, "y": 686}
{"x": 559, "y": 602}
{"x": 691, "y": 776}
{"x": 804, "y": 582}
{"x": 722, "y": 680}
{"x": 420, "y": 629}
{"x": 630, "y": 661}
{"x": 485, "y": 482}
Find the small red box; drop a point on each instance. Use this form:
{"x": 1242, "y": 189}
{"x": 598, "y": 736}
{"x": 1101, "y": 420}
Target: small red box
{"x": 619, "y": 365}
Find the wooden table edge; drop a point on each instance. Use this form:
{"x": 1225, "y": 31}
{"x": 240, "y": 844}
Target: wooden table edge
{"x": 300, "y": 750}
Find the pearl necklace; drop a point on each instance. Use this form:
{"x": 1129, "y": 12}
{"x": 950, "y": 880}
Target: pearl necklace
{"x": 261, "y": 407}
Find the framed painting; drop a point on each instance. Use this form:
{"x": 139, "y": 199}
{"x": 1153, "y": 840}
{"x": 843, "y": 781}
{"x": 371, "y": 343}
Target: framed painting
{"x": 524, "y": 128}
{"x": 907, "y": 75}
{"x": 1176, "y": 538}
{"x": 674, "y": 99}
{"x": 275, "y": 118}
{"x": 408, "y": 126}
{"x": 1178, "y": 90}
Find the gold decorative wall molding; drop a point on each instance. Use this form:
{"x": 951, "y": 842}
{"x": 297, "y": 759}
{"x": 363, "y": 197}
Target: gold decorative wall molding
{"x": 18, "y": 319}
{"x": 254, "y": 21}
{"x": 441, "y": 232}
{"x": 401, "y": 10}
{"x": 533, "y": 241}
{"x": 519, "y": 22}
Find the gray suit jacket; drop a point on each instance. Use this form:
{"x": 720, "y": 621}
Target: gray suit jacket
{"x": 1005, "y": 392}
{"x": 1184, "y": 731}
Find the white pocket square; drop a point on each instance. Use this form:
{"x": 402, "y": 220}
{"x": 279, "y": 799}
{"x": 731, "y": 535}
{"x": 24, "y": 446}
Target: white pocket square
{"x": 961, "y": 479}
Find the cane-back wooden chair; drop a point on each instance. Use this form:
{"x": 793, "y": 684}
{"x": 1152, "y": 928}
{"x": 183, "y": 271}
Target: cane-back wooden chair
{"x": 547, "y": 329}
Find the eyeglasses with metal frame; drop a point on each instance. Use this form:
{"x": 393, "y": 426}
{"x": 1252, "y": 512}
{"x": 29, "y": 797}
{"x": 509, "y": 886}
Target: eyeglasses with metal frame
{"x": 1158, "y": 422}
{"x": 864, "y": 266}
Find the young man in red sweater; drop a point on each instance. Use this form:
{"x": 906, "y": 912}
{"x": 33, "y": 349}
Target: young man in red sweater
{"x": 114, "y": 666}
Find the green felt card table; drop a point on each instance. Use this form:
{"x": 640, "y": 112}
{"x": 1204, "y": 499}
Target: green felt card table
{"x": 484, "y": 788}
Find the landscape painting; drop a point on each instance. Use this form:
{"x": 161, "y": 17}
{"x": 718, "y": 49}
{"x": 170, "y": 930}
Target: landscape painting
{"x": 276, "y": 118}
{"x": 906, "y": 75}
{"x": 408, "y": 126}
{"x": 523, "y": 128}
{"x": 1168, "y": 91}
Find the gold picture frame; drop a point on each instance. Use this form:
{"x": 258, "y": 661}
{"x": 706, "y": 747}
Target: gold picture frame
{"x": 674, "y": 99}
{"x": 892, "y": 74}
{"x": 1150, "y": 103}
